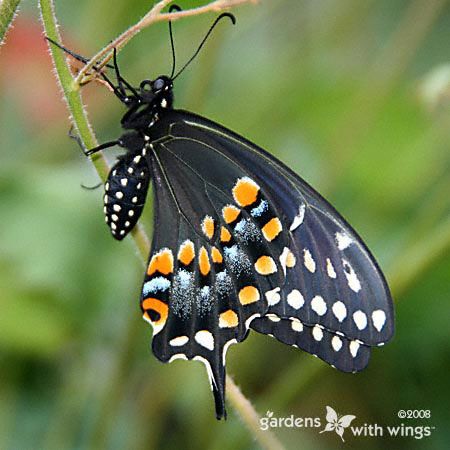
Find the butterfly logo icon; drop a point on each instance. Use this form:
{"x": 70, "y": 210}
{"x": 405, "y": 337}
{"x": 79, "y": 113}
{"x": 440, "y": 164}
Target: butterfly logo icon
{"x": 336, "y": 423}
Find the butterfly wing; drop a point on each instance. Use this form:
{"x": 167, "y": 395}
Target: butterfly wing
{"x": 241, "y": 241}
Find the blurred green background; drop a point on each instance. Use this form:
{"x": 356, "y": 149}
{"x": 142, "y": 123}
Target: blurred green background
{"x": 354, "y": 95}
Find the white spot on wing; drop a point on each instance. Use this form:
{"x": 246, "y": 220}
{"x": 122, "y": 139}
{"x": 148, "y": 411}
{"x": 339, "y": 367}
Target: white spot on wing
{"x": 354, "y": 347}
{"x": 179, "y": 341}
{"x": 339, "y": 310}
{"x": 352, "y": 280}
{"x": 343, "y": 240}
{"x": 318, "y": 305}
{"x": 273, "y": 297}
{"x": 378, "y": 319}
{"x": 273, "y": 317}
{"x": 295, "y": 299}
{"x": 296, "y": 325}
{"x": 205, "y": 339}
{"x": 360, "y": 319}
{"x": 317, "y": 333}
{"x": 336, "y": 343}
{"x": 283, "y": 258}
{"x": 309, "y": 262}
{"x": 298, "y": 219}
{"x": 330, "y": 269}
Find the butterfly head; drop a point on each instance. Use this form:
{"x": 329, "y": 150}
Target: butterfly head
{"x": 157, "y": 93}
{"x": 148, "y": 102}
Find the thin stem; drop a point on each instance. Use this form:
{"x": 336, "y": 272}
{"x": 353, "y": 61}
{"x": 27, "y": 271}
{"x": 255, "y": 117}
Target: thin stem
{"x": 8, "y": 10}
{"x": 151, "y": 17}
{"x": 81, "y": 123}
{"x": 250, "y": 417}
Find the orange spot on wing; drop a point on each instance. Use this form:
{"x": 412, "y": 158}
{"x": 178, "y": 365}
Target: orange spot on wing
{"x": 216, "y": 256}
{"x": 248, "y": 294}
{"x": 208, "y": 226}
{"x": 245, "y": 191}
{"x": 156, "y": 306}
{"x": 186, "y": 253}
{"x": 265, "y": 265}
{"x": 161, "y": 262}
{"x": 230, "y": 213}
{"x": 272, "y": 229}
{"x": 228, "y": 319}
{"x": 225, "y": 235}
{"x": 203, "y": 262}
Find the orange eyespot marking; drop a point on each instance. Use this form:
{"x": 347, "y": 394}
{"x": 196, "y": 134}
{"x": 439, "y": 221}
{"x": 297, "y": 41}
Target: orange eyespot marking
{"x": 272, "y": 229}
{"x": 248, "y": 294}
{"x": 228, "y": 319}
{"x": 186, "y": 253}
{"x": 225, "y": 235}
{"x": 203, "y": 262}
{"x": 216, "y": 256}
{"x": 230, "y": 213}
{"x": 208, "y": 226}
{"x": 161, "y": 262}
{"x": 265, "y": 265}
{"x": 245, "y": 191}
{"x": 290, "y": 259}
{"x": 155, "y": 311}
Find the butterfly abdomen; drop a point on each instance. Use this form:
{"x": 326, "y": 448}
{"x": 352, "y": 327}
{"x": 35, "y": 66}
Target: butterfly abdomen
{"x": 125, "y": 192}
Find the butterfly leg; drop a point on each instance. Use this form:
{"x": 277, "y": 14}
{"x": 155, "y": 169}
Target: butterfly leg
{"x": 91, "y": 151}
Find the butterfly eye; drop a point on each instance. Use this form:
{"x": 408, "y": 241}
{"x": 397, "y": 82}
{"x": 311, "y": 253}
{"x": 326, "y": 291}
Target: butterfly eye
{"x": 158, "y": 84}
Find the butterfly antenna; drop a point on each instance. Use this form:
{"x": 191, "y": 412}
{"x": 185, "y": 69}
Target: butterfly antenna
{"x": 172, "y": 44}
{"x": 202, "y": 43}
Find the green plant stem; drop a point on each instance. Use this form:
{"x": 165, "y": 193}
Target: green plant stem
{"x": 81, "y": 124}
{"x": 249, "y": 416}
{"x": 8, "y": 9}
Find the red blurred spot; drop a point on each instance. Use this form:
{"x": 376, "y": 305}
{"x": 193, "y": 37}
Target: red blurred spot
{"x": 27, "y": 75}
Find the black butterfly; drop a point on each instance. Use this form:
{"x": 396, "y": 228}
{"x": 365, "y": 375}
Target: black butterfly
{"x": 240, "y": 241}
